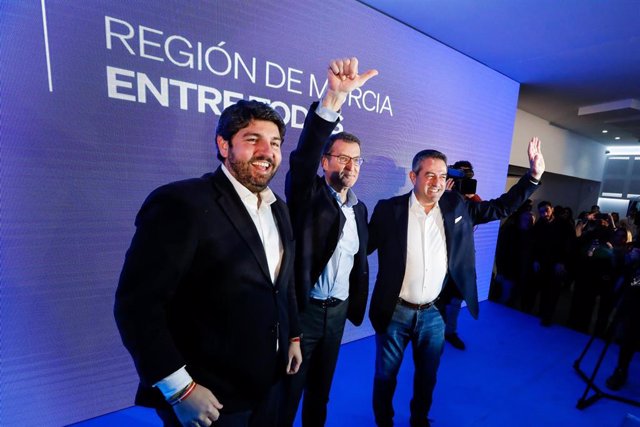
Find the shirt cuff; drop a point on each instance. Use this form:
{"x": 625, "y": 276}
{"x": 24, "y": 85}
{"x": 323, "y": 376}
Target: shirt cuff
{"x": 327, "y": 114}
{"x": 175, "y": 382}
{"x": 532, "y": 179}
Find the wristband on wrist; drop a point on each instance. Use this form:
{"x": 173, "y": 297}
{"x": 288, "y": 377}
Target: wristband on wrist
{"x": 294, "y": 339}
{"x": 182, "y": 394}
{"x": 533, "y": 180}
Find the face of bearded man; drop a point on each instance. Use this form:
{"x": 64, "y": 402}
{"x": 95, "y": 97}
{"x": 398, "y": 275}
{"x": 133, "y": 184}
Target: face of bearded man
{"x": 253, "y": 156}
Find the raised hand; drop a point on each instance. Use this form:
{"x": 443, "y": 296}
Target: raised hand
{"x": 450, "y": 183}
{"x": 536, "y": 160}
{"x": 343, "y": 77}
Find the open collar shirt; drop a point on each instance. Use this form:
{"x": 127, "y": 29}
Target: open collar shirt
{"x": 426, "y": 266}
{"x": 334, "y": 280}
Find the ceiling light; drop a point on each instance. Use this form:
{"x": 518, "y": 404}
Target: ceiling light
{"x": 604, "y": 131}
{"x": 621, "y": 150}
{"x": 617, "y": 138}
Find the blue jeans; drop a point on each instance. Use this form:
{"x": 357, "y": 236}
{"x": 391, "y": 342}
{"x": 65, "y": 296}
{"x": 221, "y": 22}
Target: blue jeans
{"x": 425, "y": 330}
{"x": 452, "y": 311}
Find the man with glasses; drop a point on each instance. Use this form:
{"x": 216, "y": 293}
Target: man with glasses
{"x": 330, "y": 227}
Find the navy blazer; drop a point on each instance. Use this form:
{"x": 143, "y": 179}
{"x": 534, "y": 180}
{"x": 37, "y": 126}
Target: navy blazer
{"x": 388, "y": 234}
{"x": 318, "y": 220}
{"x": 195, "y": 290}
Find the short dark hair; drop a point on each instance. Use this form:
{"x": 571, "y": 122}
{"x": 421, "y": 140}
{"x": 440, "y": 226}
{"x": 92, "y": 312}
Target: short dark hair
{"x": 460, "y": 164}
{"x": 239, "y": 115}
{"x": 344, "y": 136}
{"x": 544, "y": 203}
{"x": 426, "y": 154}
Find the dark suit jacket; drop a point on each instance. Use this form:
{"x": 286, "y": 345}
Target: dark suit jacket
{"x": 318, "y": 220}
{"x": 195, "y": 290}
{"x": 388, "y": 234}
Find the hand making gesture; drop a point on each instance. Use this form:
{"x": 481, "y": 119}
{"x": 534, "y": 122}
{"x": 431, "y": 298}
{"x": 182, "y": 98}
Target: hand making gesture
{"x": 343, "y": 77}
{"x": 536, "y": 160}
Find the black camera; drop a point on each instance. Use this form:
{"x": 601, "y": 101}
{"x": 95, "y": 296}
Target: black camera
{"x": 462, "y": 174}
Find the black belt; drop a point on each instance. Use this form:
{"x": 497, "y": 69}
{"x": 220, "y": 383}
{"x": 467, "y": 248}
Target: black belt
{"x": 418, "y": 307}
{"x": 324, "y": 303}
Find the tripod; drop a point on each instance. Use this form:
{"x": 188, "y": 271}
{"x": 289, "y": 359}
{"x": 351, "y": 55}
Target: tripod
{"x": 598, "y": 393}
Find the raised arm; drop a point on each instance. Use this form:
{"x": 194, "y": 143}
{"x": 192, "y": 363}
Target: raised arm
{"x": 343, "y": 77}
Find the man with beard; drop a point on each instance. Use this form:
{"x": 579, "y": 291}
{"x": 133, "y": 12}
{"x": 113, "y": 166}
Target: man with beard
{"x": 204, "y": 304}
{"x": 330, "y": 225}
{"x": 426, "y": 256}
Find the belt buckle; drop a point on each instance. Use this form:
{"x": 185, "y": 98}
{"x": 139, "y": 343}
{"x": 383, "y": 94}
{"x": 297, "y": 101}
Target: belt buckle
{"x": 325, "y": 303}
{"x": 331, "y": 302}
{"x": 418, "y": 307}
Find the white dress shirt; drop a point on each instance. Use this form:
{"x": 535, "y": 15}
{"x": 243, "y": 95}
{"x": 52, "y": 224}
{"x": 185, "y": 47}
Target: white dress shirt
{"x": 426, "y": 266}
{"x": 259, "y": 207}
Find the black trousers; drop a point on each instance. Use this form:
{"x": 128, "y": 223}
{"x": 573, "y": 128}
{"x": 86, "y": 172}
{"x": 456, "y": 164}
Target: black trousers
{"x": 322, "y": 330}
{"x": 591, "y": 283}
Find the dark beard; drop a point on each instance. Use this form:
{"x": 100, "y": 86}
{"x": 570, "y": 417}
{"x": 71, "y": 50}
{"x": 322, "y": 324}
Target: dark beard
{"x": 242, "y": 172}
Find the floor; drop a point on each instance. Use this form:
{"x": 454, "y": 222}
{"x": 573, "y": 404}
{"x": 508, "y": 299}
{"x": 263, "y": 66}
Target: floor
{"x": 513, "y": 373}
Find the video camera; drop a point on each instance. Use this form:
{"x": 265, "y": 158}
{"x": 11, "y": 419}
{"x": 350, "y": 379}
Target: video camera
{"x": 462, "y": 174}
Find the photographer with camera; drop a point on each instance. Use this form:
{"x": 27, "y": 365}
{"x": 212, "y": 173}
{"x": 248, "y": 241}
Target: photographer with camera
{"x": 460, "y": 179}
{"x": 595, "y": 274}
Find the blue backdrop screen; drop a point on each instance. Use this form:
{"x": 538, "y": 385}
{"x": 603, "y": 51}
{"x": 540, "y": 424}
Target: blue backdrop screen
{"x": 102, "y": 101}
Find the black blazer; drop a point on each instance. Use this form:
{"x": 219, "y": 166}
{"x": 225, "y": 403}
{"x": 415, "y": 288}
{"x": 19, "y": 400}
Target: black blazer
{"x": 388, "y": 234}
{"x": 195, "y": 290}
{"x": 318, "y": 220}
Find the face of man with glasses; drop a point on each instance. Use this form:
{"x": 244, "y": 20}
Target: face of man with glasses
{"x": 342, "y": 165}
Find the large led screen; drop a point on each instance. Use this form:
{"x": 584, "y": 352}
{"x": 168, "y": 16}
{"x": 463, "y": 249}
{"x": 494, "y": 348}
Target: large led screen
{"x": 102, "y": 101}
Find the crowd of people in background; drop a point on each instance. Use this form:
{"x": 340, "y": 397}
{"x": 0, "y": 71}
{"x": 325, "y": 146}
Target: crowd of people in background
{"x": 594, "y": 261}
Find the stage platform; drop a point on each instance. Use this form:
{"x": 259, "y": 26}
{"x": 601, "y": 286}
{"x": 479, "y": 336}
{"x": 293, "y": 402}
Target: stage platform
{"x": 513, "y": 373}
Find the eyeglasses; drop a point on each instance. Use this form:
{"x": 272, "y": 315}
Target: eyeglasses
{"x": 344, "y": 159}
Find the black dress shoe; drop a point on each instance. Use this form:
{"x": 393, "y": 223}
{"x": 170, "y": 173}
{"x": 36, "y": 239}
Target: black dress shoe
{"x": 617, "y": 380}
{"x": 455, "y": 341}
